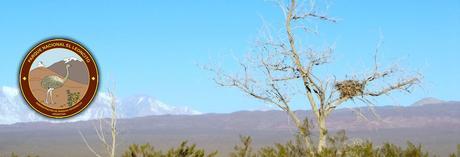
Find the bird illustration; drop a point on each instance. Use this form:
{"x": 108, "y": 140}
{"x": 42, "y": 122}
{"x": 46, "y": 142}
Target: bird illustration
{"x": 52, "y": 82}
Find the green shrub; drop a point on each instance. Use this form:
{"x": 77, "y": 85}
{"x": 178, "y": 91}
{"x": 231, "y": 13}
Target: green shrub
{"x": 414, "y": 151}
{"x": 72, "y": 98}
{"x": 244, "y": 150}
{"x": 337, "y": 147}
{"x": 184, "y": 150}
{"x": 458, "y": 150}
{"x": 290, "y": 149}
{"x": 390, "y": 150}
{"x": 144, "y": 150}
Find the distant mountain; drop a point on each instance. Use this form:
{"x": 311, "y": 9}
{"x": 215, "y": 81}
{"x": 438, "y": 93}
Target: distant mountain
{"x": 428, "y": 101}
{"x": 77, "y": 72}
{"x": 139, "y": 106}
{"x": 437, "y": 127}
{"x": 387, "y": 117}
{"x": 13, "y": 109}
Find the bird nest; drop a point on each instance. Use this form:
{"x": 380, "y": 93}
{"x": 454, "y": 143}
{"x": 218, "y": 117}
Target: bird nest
{"x": 349, "y": 88}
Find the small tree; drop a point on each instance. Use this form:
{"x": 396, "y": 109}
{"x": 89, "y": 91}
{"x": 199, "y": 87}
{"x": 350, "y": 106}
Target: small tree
{"x": 109, "y": 144}
{"x": 278, "y": 66}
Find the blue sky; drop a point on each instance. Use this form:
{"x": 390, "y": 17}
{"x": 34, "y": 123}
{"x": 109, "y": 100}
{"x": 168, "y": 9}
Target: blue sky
{"x": 152, "y": 47}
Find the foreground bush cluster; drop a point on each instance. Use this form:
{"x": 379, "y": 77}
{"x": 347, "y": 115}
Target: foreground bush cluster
{"x": 184, "y": 150}
{"x": 338, "y": 146}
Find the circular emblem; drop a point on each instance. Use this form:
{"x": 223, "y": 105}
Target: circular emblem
{"x": 59, "y": 78}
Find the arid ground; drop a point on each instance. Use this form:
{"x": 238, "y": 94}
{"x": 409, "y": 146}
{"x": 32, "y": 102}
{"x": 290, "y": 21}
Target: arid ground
{"x": 60, "y": 94}
{"x": 435, "y": 126}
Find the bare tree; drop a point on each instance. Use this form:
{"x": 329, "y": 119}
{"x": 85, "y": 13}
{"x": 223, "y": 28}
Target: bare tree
{"x": 277, "y": 67}
{"x": 104, "y": 126}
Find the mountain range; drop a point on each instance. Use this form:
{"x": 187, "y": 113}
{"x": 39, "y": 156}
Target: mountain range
{"x": 435, "y": 124}
{"x": 13, "y": 109}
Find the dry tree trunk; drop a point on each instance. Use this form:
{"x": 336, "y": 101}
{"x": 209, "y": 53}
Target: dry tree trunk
{"x": 281, "y": 66}
{"x": 322, "y": 134}
{"x": 113, "y": 124}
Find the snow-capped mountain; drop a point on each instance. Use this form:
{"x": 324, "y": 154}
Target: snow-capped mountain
{"x": 67, "y": 60}
{"x": 13, "y": 109}
{"x": 40, "y": 64}
{"x": 135, "y": 106}
{"x": 78, "y": 70}
{"x": 144, "y": 105}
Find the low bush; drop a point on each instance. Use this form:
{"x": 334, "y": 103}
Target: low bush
{"x": 338, "y": 146}
{"x": 184, "y": 150}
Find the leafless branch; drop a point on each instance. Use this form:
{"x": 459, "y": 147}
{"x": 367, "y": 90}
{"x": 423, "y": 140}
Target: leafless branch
{"x": 282, "y": 63}
{"x": 87, "y": 145}
{"x": 403, "y": 85}
{"x": 109, "y": 146}
{"x": 312, "y": 14}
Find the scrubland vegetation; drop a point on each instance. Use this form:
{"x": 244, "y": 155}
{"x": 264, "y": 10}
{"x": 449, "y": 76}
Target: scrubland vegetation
{"x": 338, "y": 146}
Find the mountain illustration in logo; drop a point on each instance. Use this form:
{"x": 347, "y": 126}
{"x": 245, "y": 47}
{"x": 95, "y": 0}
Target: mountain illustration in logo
{"x": 77, "y": 67}
{"x": 77, "y": 82}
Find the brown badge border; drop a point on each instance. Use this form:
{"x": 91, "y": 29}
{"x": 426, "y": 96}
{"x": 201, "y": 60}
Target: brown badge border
{"x": 72, "y": 46}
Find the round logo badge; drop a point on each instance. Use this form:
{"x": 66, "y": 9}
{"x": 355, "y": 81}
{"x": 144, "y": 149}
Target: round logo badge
{"x": 59, "y": 78}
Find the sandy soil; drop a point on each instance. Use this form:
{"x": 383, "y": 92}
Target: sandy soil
{"x": 60, "y": 94}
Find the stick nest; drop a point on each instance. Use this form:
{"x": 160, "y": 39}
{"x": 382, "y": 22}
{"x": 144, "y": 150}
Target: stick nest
{"x": 349, "y": 88}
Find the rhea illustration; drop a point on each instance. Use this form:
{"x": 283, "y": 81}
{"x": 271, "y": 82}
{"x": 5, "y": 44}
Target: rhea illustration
{"x": 52, "y": 82}
{"x": 59, "y": 78}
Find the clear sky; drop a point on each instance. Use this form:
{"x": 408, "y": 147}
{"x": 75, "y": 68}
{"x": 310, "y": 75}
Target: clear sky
{"x": 152, "y": 47}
